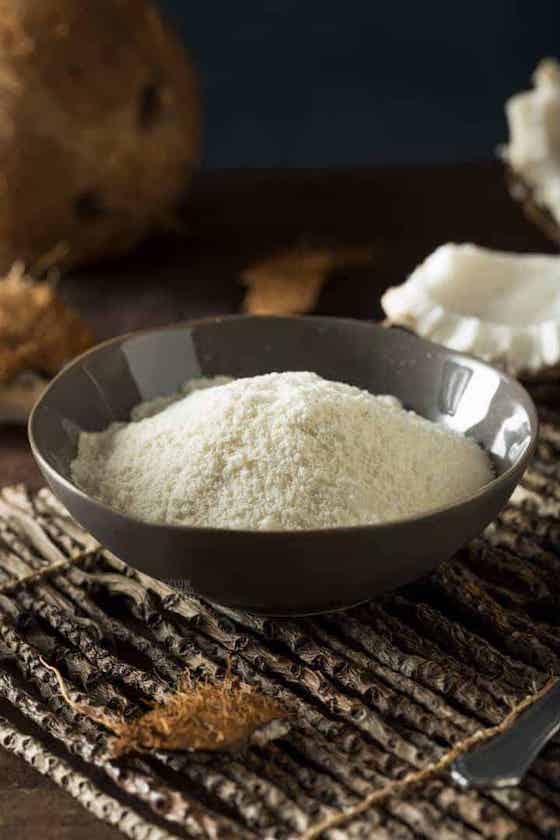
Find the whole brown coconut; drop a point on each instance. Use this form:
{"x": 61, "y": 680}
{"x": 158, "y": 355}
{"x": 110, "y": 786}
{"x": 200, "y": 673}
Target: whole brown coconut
{"x": 99, "y": 127}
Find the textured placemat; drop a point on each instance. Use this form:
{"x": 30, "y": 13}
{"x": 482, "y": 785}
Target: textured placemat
{"x": 377, "y": 695}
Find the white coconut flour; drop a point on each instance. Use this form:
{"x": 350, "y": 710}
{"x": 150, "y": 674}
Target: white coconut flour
{"x": 285, "y": 450}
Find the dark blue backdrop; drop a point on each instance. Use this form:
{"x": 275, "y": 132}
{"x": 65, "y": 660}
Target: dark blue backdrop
{"x": 313, "y": 83}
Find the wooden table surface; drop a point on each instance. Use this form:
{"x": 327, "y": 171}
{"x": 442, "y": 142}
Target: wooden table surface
{"x": 233, "y": 218}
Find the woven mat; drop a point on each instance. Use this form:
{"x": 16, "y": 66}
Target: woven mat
{"x": 377, "y": 693}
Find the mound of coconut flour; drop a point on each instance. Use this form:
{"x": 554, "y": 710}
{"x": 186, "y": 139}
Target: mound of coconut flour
{"x": 281, "y": 451}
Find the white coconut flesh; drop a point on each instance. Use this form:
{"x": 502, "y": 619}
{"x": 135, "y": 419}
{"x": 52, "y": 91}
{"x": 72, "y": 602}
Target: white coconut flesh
{"x": 533, "y": 151}
{"x": 500, "y": 306}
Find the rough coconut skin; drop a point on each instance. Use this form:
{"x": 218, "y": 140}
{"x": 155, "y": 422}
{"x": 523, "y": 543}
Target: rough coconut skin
{"x": 99, "y": 126}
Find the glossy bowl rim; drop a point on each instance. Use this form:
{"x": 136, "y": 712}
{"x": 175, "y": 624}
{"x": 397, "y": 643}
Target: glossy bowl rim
{"x": 289, "y": 534}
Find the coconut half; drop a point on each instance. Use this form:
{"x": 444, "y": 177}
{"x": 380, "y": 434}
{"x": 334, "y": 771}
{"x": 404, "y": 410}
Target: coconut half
{"x": 533, "y": 152}
{"x": 501, "y": 307}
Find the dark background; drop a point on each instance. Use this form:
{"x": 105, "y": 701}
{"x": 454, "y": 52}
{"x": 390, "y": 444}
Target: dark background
{"x": 310, "y": 83}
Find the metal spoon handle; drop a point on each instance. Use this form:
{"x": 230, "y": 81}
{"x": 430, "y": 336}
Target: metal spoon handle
{"x": 503, "y": 761}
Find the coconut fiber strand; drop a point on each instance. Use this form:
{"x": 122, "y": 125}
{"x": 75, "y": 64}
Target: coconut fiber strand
{"x": 378, "y": 698}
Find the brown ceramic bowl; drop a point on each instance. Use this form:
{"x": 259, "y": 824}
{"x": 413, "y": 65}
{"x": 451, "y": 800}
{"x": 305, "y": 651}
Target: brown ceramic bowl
{"x": 286, "y": 572}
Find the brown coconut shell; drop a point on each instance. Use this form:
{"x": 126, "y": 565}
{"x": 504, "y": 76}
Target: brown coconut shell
{"x": 523, "y": 194}
{"x": 99, "y": 127}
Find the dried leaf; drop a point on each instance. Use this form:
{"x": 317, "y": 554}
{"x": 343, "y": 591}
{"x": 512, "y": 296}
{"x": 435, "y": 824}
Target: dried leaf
{"x": 206, "y": 717}
{"x": 290, "y": 282}
{"x": 37, "y": 330}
